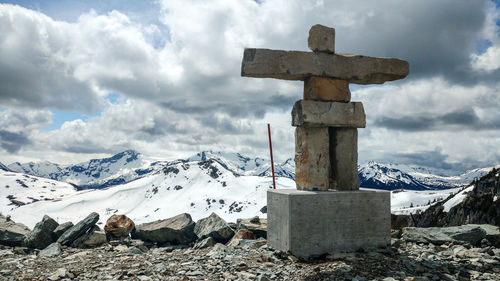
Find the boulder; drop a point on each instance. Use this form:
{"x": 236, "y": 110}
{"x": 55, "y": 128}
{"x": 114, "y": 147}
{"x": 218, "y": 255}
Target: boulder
{"x": 11, "y": 233}
{"x": 60, "y": 229}
{"x": 244, "y": 234}
{"x": 118, "y": 227}
{"x": 52, "y": 250}
{"x": 176, "y": 230}
{"x": 68, "y": 237}
{"x": 215, "y": 227}
{"x": 247, "y": 243}
{"x": 205, "y": 243}
{"x": 256, "y": 225}
{"x": 92, "y": 238}
{"x": 42, "y": 234}
{"x": 471, "y": 234}
{"x": 492, "y": 233}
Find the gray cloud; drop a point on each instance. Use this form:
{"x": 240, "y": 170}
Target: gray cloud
{"x": 184, "y": 91}
{"x": 12, "y": 142}
{"x": 436, "y": 159}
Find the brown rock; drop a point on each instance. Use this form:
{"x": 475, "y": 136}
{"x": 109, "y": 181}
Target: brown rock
{"x": 296, "y": 65}
{"x": 326, "y": 89}
{"x": 326, "y": 158}
{"x": 321, "y": 39}
{"x": 118, "y": 226}
{"x": 308, "y": 113}
{"x": 312, "y": 162}
{"x": 244, "y": 234}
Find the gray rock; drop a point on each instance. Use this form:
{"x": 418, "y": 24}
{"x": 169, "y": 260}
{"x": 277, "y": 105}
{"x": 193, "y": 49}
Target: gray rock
{"x": 11, "y": 233}
{"x": 91, "y": 239}
{"x": 218, "y": 251}
{"x": 492, "y": 233}
{"x": 328, "y": 114}
{"x": 215, "y": 227}
{"x": 321, "y": 39}
{"x": 205, "y": 243}
{"x": 175, "y": 230}
{"x": 258, "y": 227}
{"x": 296, "y": 65}
{"x": 471, "y": 234}
{"x": 78, "y": 230}
{"x": 52, "y": 250}
{"x": 60, "y": 229}
{"x": 42, "y": 234}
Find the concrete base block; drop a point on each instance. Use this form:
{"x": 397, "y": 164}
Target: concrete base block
{"x": 313, "y": 223}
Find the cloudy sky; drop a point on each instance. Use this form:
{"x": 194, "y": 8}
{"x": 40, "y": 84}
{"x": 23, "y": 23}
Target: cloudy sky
{"x": 84, "y": 79}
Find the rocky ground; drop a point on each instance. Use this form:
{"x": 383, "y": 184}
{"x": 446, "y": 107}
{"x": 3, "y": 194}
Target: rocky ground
{"x": 135, "y": 260}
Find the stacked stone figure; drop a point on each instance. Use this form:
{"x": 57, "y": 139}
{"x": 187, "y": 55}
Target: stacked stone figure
{"x": 328, "y": 204}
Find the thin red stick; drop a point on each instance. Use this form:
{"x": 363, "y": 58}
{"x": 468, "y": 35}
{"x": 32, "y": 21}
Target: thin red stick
{"x": 271, "y": 149}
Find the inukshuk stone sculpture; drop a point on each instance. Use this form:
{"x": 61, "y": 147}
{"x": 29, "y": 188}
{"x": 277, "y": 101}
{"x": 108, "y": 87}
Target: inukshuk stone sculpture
{"x": 327, "y": 213}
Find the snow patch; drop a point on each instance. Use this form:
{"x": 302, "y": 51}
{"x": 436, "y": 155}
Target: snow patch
{"x": 457, "y": 199}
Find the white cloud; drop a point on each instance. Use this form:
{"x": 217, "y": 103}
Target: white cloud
{"x": 187, "y": 95}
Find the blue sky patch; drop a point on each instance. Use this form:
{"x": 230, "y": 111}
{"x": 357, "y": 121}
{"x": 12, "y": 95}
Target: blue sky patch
{"x": 59, "y": 117}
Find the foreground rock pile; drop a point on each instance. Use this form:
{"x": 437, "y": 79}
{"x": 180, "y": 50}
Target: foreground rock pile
{"x": 467, "y": 252}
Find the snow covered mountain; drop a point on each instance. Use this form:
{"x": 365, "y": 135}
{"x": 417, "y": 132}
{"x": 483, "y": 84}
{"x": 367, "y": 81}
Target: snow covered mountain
{"x": 96, "y": 173}
{"x": 3, "y": 167}
{"x": 399, "y": 176}
{"x": 195, "y": 187}
{"x": 130, "y": 165}
{"x": 232, "y": 185}
{"x": 41, "y": 169}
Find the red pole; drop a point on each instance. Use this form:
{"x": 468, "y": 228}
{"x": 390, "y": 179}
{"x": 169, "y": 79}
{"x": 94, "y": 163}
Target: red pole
{"x": 271, "y": 149}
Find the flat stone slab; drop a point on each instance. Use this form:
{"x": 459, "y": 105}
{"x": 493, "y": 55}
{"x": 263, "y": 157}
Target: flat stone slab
{"x": 328, "y": 114}
{"x": 313, "y": 223}
{"x": 297, "y": 65}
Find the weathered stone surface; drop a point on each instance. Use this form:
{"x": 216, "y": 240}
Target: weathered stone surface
{"x": 471, "y": 234}
{"x": 328, "y": 114}
{"x": 296, "y": 65}
{"x": 326, "y": 158}
{"x": 94, "y": 237}
{"x": 78, "y": 230}
{"x": 205, "y": 243}
{"x": 344, "y": 158}
{"x": 60, "y": 229}
{"x": 244, "y": 234}
{"x": 52, "y": 250}
{"x": 118, "y": 227}
{"x": 321, "y": 39}
{"x": 256, "y": 225}
{"x": 326, "y": 89}
{"x": 312, "y": 160}
{"x": 215, "y": 227}
{"x": 11, "y": 233}
{"x": 492, "y": 233}
{"x": 175, "y": 230}
{"x": 42, "y": 234}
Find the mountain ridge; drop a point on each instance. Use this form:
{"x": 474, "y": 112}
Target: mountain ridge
{"x": 130, "y": 165}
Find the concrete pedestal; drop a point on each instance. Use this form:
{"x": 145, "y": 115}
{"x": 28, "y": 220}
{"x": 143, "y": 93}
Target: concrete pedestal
{"x": 312, "y": 223}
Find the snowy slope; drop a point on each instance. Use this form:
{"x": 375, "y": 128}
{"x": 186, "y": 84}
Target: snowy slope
{"x": 3, "y": 167}
{"x": 198, "y": 188}
{"x": 404, "y": 202}
{"x": 18, "y": 189}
